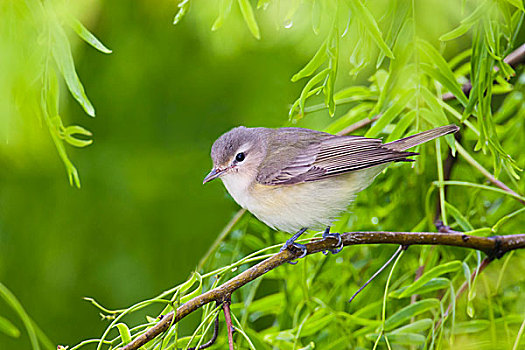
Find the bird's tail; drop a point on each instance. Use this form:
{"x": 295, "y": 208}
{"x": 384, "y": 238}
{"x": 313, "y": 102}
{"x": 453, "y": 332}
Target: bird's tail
{"x": 422, "y": 137}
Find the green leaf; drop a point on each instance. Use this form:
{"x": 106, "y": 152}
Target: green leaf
{"x": 249, "y": 17}
{"x": 71, "y": 131}
{"x": 401, "y": 339}
{"x": 64, "y": 60}
{"x": 365, "y": 17}
{"x": 517, "y": 3}
{"x": 432, "y": 285}
{"x": 401, "y": 126}
{"x": 125, "y": 334}
{"x": 310, "y": 85}
{"x": 474, "y": 326}
{"x": 183, "y": 6}
{"x": 225, "y": 8}
{"x": 391, "y": 113}
{"x": 8, "y": 328}
{"x": 414, "y": 327}
{"x": 442, "y": 73}
{"x": 410, "y": 311}
{"x": 316, "y": 61}
{"x": 460, "y": 219}
{"x": 465, "y": 24}
{"x": 504, "y": 219}
{"x": 437, "y": 271}
{"x": 87, "y": 36}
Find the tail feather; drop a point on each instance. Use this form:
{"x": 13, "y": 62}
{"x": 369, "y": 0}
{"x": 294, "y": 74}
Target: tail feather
{"x": 422, "y": 137}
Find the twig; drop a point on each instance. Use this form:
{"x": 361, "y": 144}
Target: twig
{"x": 493, "y": 246}
{"x": 213, "y": 337}
{"x": 485, "y": 172}
{"x": 514, "y": 59}
{"x": 378, "y": 272}
{"x": 228, "y": 318}
{"x": 358, "y": 125}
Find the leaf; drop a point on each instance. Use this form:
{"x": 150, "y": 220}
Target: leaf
{"x": 391, "y": 113}
{"x": 474, "y": 326}
{"x": 401, "y": 126}
{"x": 125, "y": 334}
{"x": 504, "y": 219}
{"x": 410, "y": 311}
{"x": 183, "y": 6}
{"x": 249, "y": 17}
{"x": 365, "y": 17}
{"x": 465, "y": 24}
{"x": 64, "y": 60}
{"x": 443, "y": 73}
{"x": 87, "y": 36}
{"x": 432, "y": 285}
{"x": 460, "y": 219}
{"x": 8, "y": 328}
{"x": 417, "y": 326}
{"x": 316, "y": 61}
{"x": 437, "y": 271}
{"x": 225, "y": 8}
{"x": 69, "y": 137}
{"x": 309, "y": 86}
{"x": 402, "y": 339}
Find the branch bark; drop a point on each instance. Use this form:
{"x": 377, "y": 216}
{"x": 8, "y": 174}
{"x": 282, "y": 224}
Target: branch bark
{"x": 494, "y": 247}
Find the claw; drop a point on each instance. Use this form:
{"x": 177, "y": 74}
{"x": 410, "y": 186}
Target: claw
{"x": 339, "y": 246}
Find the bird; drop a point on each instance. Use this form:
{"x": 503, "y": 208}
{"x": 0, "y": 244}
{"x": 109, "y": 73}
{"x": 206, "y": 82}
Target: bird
{"x": 295, "y": 179}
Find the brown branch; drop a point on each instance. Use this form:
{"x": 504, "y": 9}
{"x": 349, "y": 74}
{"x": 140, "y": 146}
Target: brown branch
{"x": 514, "y": 59}
{"x": 228, "y": 318}
{"x": 494, "y": 247}
{"x": 358, "y": 125}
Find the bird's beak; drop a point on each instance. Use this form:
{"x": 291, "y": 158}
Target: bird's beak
{"x": 214, "y": 173}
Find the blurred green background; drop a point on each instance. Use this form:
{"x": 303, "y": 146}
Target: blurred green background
{"x": 143, "y": 219}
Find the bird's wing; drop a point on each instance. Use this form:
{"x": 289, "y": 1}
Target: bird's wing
{"x": 329, "y": 156}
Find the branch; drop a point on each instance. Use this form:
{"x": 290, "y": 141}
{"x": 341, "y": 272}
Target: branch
{"x": 494, "y": 247}
{"x": 514, "y": 59}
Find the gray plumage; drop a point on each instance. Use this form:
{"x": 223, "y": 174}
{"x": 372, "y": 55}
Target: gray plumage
{"x": 292, "y": 178}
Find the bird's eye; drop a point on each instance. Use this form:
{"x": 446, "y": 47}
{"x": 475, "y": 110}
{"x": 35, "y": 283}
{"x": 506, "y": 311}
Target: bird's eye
{"x": 239, "y": 157}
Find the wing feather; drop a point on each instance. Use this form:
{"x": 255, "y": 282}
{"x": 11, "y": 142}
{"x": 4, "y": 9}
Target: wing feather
{"x": 334, "y": 155}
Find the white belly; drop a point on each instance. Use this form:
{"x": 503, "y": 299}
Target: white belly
{"x": 314, "y": 205}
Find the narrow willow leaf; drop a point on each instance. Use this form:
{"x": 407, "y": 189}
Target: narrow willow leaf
{"x": 410, "y": 311}
{"x": 196, "y": 292}
{"x": 8, "y": 328}
{"x": 401, "y": 339}
{"x": 183, "y": 6}
{"x": 443, "y": 74}
{"x": 414, "y": 327}
{"x": 460, "y": 219}
{"x": 316, "y": 61}
{"x": 368, "y": 21}
{"x": 87, "y": 36}
{"x": 71, "y": 131}
{"x": 316, "y": 15}
{"x": 432, "y": 285}
{"x": 401, "y": 126}
{"x": 474, "y": 326}
{"x": 437, "y": 271}
{"x": 310, "y": 85}
{"x": 249, "y": 17}
{"x": 504, "y": 219}
{"x": 391, "y": 113}
{"x": 124, "y": 332}
{"x": 64, "y": 60}
{"x": 333, "y": 54}
{"x": 225, "y": 8}
{"x": 465, "y": 24}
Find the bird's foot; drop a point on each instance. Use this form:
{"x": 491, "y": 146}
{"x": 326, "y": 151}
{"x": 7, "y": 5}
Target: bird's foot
{"x": 337, "y": 236}
{"x": 291, "y": 245}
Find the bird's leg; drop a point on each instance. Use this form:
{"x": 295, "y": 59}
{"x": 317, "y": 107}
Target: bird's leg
{"x": 339, "y": 246}
{"x": 291, "y": 243}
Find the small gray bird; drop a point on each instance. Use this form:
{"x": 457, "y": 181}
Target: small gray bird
{"x": 295, "y": 179}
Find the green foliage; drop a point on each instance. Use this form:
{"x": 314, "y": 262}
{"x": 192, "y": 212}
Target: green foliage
{"x": 374, "y": 58}
{"x": 38, "y": 53}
